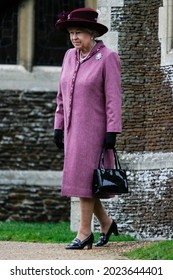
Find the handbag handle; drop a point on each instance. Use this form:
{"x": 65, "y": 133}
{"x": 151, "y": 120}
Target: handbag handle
{"x": 116, "y": 159}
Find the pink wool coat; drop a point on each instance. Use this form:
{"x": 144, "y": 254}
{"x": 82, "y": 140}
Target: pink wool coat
{"x": 88, "y": 106}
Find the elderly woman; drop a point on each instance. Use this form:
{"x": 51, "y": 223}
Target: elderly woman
{"x": 88, "y": 116}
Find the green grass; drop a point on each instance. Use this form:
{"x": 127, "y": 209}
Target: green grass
{"x": 44, "y": 232}
{"x": 162, "y": 250}
{"x": 35, "y": 232}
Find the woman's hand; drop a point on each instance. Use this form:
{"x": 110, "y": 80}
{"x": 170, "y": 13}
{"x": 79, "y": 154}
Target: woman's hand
{"x": 58, "y": 138}
{"x": 110, "y": 140}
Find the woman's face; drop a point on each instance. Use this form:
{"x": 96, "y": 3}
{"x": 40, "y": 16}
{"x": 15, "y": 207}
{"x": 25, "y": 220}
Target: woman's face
{"x": 80, "y": 39}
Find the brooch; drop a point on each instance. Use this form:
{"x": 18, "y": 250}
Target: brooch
{"x": 98, "y": 56}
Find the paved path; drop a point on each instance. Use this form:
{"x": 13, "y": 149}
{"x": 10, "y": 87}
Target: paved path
{"x": 48, "y": 251}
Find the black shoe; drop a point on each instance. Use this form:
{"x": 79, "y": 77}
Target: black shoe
{"x": 77, "y": 244}
{"x": 104, "y": 238}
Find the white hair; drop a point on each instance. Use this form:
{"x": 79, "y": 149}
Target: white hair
{"x": 94, "y": 33}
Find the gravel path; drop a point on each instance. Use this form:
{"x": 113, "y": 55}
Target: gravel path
{"x": 48, "y": 251}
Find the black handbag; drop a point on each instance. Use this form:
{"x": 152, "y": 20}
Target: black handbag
{"x": 109, "y": 181}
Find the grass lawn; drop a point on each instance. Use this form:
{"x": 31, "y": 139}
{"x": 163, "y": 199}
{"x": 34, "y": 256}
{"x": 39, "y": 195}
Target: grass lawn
{"x": 44, "y": 232}
{"x": 162, "y": 250}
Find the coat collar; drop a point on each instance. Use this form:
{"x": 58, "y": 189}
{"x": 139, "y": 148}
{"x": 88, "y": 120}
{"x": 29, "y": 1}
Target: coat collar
{"x": 99, "y": 45}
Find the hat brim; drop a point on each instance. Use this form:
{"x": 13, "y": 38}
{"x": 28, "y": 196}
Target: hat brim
{"x": 64, "y": 25}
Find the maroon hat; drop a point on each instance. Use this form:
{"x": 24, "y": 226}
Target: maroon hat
{"x": 83, "y": 17}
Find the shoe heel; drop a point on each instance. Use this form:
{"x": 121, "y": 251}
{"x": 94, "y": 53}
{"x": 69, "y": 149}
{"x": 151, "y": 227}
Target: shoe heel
{"x": 90, "y": 242}
{"x": 115, "y": 231}
{"x": 90, "y": 246}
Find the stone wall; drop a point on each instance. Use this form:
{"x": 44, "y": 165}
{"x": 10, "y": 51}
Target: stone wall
{"x": 146, "y": 212}
{"x": 146, "y": 144}
{"x": 32, "y": 196}
{"x": 29, "y": 188}
{"x": 26, "y": 140}
{"x": 147, "y": 88}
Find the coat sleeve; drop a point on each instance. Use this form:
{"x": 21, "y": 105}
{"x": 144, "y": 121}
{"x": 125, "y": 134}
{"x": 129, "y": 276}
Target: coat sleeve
{"x": 112, "y": 89}
{"x": 59, "y": 113}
